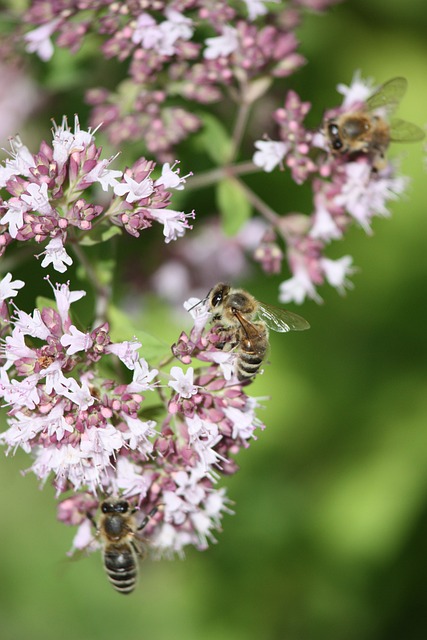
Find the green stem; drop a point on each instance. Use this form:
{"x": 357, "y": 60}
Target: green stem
{"x": 213, "y": 176}
{"x": 103, "y": 292}
{"x": 239, "y": 128}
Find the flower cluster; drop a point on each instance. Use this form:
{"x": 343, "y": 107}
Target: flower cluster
{"x": 92, "y": 435}
{"x": 51, "y": 195}
{"x": 346, "y": 188}
{"x": 189, "y": 49}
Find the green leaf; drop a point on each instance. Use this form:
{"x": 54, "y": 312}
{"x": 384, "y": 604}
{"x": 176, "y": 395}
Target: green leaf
{"x": 214, "y": 139}
{"x": 233, "y": 205}
{"x": 122, "y": 328}
{"x": 100, "y": 233}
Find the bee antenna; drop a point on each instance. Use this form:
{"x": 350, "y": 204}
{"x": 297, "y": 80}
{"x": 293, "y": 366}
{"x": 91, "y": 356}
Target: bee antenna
{"x": 197, "y": 303}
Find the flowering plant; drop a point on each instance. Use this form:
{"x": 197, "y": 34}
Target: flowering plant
{"x": 98, "y": 416}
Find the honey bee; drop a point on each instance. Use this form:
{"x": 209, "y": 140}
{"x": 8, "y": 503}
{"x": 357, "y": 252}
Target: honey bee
{"x": 244, "y": 323}
{"x": 363, "y": 131}
{"x": 117, "y": 530}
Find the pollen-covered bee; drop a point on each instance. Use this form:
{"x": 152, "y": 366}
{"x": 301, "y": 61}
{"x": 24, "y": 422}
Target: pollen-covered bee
{"x": 117, "y": 529}
{"x": 244, "y": 323}
{"x": 364, "y": 131}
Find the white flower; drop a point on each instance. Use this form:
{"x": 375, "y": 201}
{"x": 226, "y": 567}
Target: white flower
{"x": 199, "y": 311}
{"x": 257, "y": 8}
{"x": 9, "y": 289}
{"x": 38, "y": 40}
{"x": 56, "y": 423}
{"x": 76, "y": 340}
{"x": 21, "y": 431}
{"x": 162, "y": 37}
{"x": 146, "y": 31}
{"x": 182, "y": 382}
{"x": 14, "y": 216}
{"x": 364, "y": 194}
{"x": 175, "y": 508}
{"x": 65, "y": 142}
{"x": 129, "y": 479}
{"x": 15, "y": 347}
{"x": 243, "y": 422}
{"x": 80, "y": 395}
{"x": 142, "y": 377}
{"x": 222, "y": 45}
{"x": 270, "y": 154}
{"x": 21, "y": 393}
{"x": 127, "y": 352}
{"x": 21, "y": 163}
{"x": 56, "y": 255}
{"x": 139, "y": 431}
{"x": 37, "y": 198}
{"x": 225, "y": 359}
{"x": 174, "y": 222}
{"x": 31, "y": 325}
{"x": 134, "y": 190}
{"x": 358, "y": 91}
{"x": 336, "y": 272}
{"x": 297, "y": 288}
{"x": 106, "y": 177}
{"x": 64, "y": 298}
{"x": 176, "y": 27}
{"x": 324, "y": 226}
{"x": 170, "y": 177}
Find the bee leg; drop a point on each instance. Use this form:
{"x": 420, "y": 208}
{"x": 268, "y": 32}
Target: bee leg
{"x": 147, "y": 518}
{"x": 229, "y": 342}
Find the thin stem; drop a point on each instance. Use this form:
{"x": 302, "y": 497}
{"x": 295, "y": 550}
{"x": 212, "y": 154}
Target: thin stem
{"x": 103, "y": 292}
{"x": 215, "y": 175}
{"x": 239, "y": 129}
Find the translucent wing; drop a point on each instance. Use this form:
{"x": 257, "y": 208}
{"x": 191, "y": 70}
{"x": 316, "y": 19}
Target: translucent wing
{"x": 281, "y": 320}
{"x": 388, "y": 95}
{"x": 402, "y": 131}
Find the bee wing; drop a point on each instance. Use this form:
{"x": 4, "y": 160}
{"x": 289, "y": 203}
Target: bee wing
{"x": 281, "y": 320}
{"x": 388, "y": 95}
{"x": 248, "y": 327}
{"x": 402, "y": 131}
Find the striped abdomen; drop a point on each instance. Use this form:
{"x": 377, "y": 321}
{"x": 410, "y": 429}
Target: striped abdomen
{"x": 252, "y": 352}
{"x": 121, "y": 565}
{"x": 247, "y": 366}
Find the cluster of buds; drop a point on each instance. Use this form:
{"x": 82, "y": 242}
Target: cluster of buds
{"x": 94, "y": 436}
{"x": 346, "y": 188}
{"x": 51, "y": 195}
{"x": 194, "y": 50}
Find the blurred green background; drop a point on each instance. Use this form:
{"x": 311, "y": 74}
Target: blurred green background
{"x": 329, "y": 536}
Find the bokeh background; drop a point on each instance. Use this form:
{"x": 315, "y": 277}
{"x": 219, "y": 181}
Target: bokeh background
{"x": 329, "y": 536}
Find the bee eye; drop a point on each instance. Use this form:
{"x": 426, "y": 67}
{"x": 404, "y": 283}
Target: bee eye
{"x": 216, "y": 299}
{"x": 122, "y": 507}
{"x": 106, "y": 507}
{"x": 337, "y": 144}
